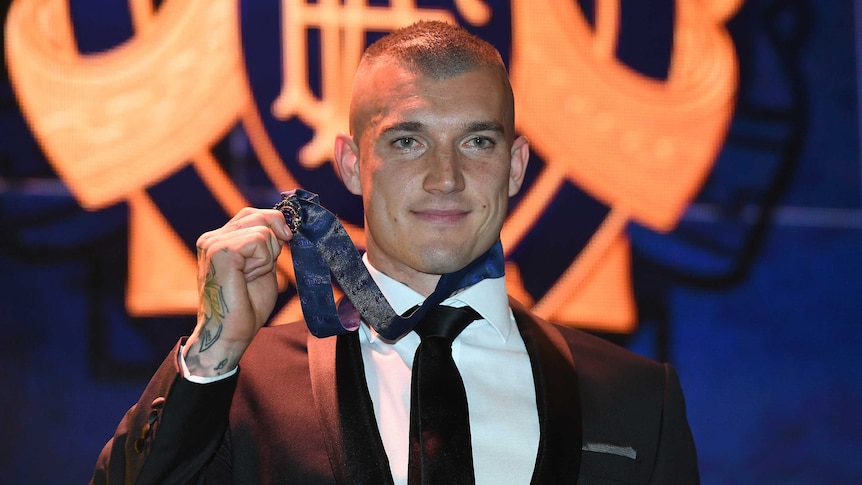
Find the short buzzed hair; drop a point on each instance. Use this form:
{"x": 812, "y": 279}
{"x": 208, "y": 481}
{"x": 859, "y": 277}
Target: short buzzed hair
{"x": 431, "y": 49}
{"x": 435, "y": 49}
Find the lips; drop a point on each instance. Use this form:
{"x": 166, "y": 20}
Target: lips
{"x": 441, "y": 216}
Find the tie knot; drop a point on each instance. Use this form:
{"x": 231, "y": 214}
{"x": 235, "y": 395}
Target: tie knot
{"x": 445, "y": 322}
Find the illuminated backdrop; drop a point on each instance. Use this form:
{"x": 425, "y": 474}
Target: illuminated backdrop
{"x": 158, "y": 103}
{"x": 666, "y": 134}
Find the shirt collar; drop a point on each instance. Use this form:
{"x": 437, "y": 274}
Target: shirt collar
{"x": 488, "y": 297}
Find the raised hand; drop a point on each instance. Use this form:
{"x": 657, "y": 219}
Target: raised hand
{"x": 237, "y": 286}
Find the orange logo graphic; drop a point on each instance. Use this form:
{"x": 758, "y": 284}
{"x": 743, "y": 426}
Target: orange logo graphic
{"x": 115, "y": 123}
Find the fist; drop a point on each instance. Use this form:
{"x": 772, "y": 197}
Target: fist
{"x": 237, "y": 285}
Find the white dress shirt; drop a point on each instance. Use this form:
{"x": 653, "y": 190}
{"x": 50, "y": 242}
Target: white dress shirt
{"x": 495, "y": 368}
{"x": 498, "y": 378}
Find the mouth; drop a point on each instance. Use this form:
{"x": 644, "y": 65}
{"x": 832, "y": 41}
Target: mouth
{"x": 441, "y": 216}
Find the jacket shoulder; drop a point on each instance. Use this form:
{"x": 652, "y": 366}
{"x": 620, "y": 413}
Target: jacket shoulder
{"x": 587, "y": 350}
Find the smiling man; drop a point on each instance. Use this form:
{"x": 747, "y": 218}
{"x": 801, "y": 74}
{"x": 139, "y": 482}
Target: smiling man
{"x": 503, "y": 398}
{"x": 434, "y": 155}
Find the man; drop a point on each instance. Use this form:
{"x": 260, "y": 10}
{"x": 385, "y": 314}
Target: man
{"x": 434, "y": 156}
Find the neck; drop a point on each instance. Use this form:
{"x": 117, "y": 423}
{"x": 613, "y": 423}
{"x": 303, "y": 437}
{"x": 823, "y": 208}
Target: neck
{"x": 422, "y": 283}
{"x": 489, "y": 264}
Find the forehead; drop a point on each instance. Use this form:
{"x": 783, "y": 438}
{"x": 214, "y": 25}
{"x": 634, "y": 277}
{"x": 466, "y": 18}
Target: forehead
{"x": 388, "y": 94}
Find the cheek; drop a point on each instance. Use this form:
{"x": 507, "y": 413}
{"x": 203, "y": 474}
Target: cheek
{"x": 494, "y": 183}
{"x": 497, "y": 204}
{"x": 382, "y": 196}
{"x": 391, "y": 184}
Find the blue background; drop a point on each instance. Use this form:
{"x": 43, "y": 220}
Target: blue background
{"x": 756, "y": 298}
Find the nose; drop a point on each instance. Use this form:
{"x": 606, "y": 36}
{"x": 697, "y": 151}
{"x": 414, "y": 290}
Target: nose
{"x": 444, "y": 173}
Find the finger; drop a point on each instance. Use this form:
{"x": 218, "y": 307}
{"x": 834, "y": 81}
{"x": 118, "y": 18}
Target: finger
{"x": 271, "y": 218}
{"x": 244, "y": 220}
{"x": 242, "y": 249}
{"x": 260, "y": 249}
{"x": 261, "y": 261}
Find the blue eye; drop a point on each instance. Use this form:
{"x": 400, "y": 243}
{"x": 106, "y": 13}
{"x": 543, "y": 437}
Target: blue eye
{"x": 480, "y": 142}
{"x": 405, "y": 143}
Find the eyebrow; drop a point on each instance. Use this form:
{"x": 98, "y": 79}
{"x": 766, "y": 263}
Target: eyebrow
{"x": 485, "y": 126}
{"x": 403, "y": 126}
{"x": 471, "y": 127}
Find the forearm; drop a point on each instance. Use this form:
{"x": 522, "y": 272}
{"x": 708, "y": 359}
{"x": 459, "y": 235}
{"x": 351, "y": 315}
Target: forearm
{"x": 223, "y": 331}
{"x": 208, "y": 357}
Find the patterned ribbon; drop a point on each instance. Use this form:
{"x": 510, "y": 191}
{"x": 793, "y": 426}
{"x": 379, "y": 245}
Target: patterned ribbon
{"x": 321, "y": 248}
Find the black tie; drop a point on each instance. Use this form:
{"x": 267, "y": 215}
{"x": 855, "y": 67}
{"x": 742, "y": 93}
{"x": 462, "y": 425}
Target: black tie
{"x": 440, "y": 450}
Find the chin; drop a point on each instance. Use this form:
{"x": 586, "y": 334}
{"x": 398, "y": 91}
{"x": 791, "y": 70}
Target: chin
{"x": 442, "y": 262}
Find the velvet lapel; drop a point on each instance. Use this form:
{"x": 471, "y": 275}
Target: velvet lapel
{"x": 346, "y": 412}
{"x": 559, "y": 456}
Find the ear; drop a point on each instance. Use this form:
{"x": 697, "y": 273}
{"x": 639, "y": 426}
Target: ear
{"x": 520, "y": 155}
{"x": 347, "y": 162}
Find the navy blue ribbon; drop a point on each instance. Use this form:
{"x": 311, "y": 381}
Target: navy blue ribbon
{"x": 321, "y": 249}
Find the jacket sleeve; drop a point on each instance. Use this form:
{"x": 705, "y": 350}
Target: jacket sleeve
{"x": 676, "y": 458}
{"x": 172, "y": 432}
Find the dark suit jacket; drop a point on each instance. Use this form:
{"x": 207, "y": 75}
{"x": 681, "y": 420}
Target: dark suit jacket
{"x": 606, "y": 416}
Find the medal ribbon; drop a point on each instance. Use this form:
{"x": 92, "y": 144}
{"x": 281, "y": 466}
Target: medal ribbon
{"x": 321, "y": 249}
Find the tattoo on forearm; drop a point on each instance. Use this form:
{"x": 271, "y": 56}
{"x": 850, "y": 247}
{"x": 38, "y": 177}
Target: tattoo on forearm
{"x": 214, "y": 310}
{"x": 193, "y": 362}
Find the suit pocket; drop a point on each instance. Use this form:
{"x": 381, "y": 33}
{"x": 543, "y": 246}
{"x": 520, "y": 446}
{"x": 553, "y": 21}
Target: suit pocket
{"x": 599, "y": 468}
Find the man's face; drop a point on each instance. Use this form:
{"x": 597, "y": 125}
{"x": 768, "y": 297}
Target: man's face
{"x": 435, "y": 161}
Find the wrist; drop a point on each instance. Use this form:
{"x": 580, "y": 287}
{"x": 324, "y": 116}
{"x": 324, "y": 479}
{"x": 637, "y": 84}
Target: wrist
{"x": 212, "y": 360}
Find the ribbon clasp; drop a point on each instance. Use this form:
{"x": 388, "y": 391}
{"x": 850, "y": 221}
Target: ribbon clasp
{"x": 289, "y": 207}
